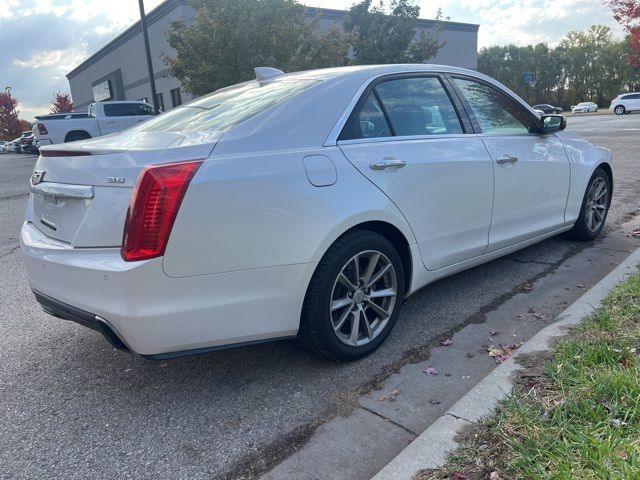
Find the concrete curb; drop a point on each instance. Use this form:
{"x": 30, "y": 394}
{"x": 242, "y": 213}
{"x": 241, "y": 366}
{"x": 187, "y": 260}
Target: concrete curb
{"x": 430, "y": 449}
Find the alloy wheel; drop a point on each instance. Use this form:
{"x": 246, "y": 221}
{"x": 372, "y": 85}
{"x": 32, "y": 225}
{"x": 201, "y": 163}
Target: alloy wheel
{"x": 363, "y": 298}
{"x": 597, "y": 203}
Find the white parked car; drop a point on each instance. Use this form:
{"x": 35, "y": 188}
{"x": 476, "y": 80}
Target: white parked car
{"x": 585, "y": 107}
{"x": 625, "y": 103}
{"x": 308, "y": 204}
{"x": 102, "y": 118}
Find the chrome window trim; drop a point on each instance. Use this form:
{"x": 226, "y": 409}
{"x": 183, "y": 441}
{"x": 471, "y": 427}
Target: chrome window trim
{"x": 63, "y": 190}
{"x": 405, "y": 138}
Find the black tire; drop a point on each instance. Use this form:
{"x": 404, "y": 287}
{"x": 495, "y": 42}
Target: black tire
{"x": 316, "y": 324}
{"x": 581, "y": 230}
{"x": 76, "y": 136}
{"x": 619, "y": 110}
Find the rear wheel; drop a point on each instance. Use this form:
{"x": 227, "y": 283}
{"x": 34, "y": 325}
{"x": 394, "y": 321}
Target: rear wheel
{"x": 619, "y": 110}
{"x": 595, "y": 206}
{"x": 354, "y": 297}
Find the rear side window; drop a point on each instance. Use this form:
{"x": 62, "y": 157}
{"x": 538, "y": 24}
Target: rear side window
{"x": 227, "y": 107}
{"x": 418, "y": 106}
{"x": 126, "y": 109}
{"x": 404, "y": 107}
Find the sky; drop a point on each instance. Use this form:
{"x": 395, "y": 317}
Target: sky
{"x": 42, "y": 40}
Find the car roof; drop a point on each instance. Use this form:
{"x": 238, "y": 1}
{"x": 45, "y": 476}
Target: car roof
{"x": 376, "y": 70}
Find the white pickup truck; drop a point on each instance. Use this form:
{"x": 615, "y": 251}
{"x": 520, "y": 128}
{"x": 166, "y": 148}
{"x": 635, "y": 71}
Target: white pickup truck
{"x": 102, "y": 118}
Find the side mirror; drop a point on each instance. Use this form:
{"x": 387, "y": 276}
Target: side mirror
{"x": 552, "y": 123}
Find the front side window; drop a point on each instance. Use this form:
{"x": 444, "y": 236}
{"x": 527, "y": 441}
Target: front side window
{"x": 226, "y": 107}
{"x": 494, "y": 111}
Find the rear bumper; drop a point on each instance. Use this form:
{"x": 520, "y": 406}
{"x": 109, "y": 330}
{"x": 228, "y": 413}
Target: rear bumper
{"x": 67, "y": 312}
{"x": 153, "y": 314}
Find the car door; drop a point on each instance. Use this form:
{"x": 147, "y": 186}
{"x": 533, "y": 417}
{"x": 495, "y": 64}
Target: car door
{"x": 407, "y": 136}
{"x": 120, "y": 116}
{"x": 531, "y": 170}
{"x": 632, "y": 102}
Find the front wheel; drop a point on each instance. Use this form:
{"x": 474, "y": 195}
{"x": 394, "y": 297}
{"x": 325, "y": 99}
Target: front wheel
{"x": 619, "y": 110}
{"x": 354, "y": 297}
{"x": 595, "y": 206}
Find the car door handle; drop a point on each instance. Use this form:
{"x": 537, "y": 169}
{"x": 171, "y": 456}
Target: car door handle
{"x": 386, "y": 163}
{"x": 506, "y": 159}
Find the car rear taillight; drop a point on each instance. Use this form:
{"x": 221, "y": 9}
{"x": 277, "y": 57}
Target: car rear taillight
{"x": 42, "y": 129}
{"x": 154, "y": 205}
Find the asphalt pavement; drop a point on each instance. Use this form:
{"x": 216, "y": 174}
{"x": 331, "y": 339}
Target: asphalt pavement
{"x": 73, "y": 407}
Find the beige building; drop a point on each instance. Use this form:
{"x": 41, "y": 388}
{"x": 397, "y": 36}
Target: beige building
{"x": 118, "y": 71}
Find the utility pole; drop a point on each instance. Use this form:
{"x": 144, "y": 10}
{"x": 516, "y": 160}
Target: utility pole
{"x": 152, "y": 80}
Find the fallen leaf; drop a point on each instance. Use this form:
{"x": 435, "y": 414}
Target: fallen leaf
{"x": 459, "y": 476}
{"x": 614, "y": 422}
{"x": 539, "y": 316}
{"x": 492, "y": 333}
{"x": 527, "y": 287}
{"x": 446, "y": 343}
{"x": 494, "y": 476}
{"x": 635, "y": 233}
{"x": 580, "y": 286}
{"x": 430, "y": 371}
{"x": 531, "y": 310}
{"x": 434, "y": 402}
{"x": 381, "y": 398}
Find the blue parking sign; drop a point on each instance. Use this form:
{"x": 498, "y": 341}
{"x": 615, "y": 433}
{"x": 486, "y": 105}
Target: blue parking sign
{"x": 528, "y": 77}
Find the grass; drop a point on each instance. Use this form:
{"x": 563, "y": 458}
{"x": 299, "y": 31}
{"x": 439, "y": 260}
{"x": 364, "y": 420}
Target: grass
{"x": 578, "y": 417}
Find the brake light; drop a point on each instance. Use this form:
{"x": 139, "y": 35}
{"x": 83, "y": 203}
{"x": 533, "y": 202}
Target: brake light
{"x": 154, "y": 205}
{"x": 64, "y": 153}
{"x": 42, "y": 129}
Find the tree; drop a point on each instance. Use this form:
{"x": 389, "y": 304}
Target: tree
{"x": 228, "y": 38}
{"x": 387, "y": 35}
{"x": 61, "y": 103}
{"x": 627, "y": 14}
{"x": 10, "y": 124}
{"x": 587, "y": 65}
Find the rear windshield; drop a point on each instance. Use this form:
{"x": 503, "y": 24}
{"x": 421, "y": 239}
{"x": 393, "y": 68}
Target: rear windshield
{"x": 227, "y": 107}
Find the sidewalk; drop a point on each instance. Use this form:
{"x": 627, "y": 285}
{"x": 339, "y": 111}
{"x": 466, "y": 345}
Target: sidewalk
{"x": 395, "y": 410}
{"x": 430, "y": 449}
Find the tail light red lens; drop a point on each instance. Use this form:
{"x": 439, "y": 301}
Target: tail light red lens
{"x": 154, "y": 205}
{"x": 42, "y": 129}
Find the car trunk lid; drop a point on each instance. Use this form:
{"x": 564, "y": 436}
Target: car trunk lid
{"x": 81, "y": 192}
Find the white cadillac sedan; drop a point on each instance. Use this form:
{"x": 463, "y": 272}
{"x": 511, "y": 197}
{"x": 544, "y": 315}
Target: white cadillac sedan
{"x": 309, "y": 204}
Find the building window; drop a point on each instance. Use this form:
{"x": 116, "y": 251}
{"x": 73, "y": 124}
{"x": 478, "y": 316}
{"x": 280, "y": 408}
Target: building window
{"x": 160, "y": 100}
{"x": 176, "y": 98}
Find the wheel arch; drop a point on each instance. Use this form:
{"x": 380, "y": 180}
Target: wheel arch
{"x": 71, "y": 132}
{"x": 606, "y": 166}
{"x": 391, "y": 232}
